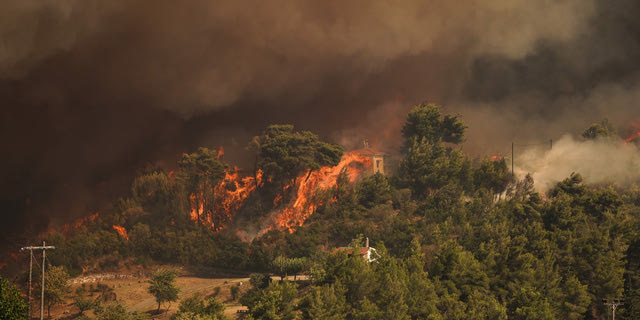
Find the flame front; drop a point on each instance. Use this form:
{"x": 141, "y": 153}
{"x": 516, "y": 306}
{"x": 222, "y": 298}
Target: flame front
{"x": 307, "y": 186}
{"x": 229, "y": 196}
{"x": 231, "y": 193}
{"x": 121, "y": 231}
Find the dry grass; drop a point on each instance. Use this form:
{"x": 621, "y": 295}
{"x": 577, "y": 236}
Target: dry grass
{"x": 133, "y": 294}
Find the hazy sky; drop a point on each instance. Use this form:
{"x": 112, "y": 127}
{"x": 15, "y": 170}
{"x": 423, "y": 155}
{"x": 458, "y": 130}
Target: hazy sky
{"x": 94, "y": 90}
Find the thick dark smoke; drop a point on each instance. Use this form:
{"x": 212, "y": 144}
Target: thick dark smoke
{"x": 92, "y": 91}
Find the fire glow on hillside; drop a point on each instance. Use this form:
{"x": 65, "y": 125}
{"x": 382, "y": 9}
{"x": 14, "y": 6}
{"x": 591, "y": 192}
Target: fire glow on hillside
{"x": 231, "y": 193}
{"x": 304, "y": 203}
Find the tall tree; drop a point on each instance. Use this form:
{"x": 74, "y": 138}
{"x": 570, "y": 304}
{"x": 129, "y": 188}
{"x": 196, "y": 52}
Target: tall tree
{"x": 426, "y": 121}
{"x": 155, "y": 193}
{"x": 284, "y": 154}
{"x": 199, "y": 173}
{"x": 429, "y": 164}
{"x": 163, "y": 286}
{"x": 56, "y": 286}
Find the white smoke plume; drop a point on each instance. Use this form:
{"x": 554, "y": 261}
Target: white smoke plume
{"x": 598, "y": 161}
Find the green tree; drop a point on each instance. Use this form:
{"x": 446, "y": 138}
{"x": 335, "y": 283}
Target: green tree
{"x": 275, "y": 302}
{"x": 56, "y": 286}
{"x": 283, "y": 266}
{"x": 374, "y": 190}
{"x": 118, "y": 312}
{"x": 195, "y": 307}
{"x": 156, "y": 194}
{"x": 12, "y": 305}
{"x": 83, "y": 304}
{"x": 199, "y": 173}
{"x": 425, "y": 121}
{"x": 325, "y": 303}
{"x": 284, "y": 154}
{"x": 163, "y": 286}
{"x": 602, "y": 129}
{"x": 493, "y": 176}
{"x": 429, "y": 166}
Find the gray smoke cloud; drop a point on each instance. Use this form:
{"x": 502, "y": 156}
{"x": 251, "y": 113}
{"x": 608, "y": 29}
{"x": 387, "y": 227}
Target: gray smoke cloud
{"x": 197, "y": 56}
{"x": 92, "y": 90}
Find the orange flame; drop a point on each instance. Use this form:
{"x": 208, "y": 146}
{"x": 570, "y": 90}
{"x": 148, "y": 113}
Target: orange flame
{"x": 70, "y": 228}
{"x": 634, "y": 127}
{"x": 497, "y": 157}
{"x": 304, "y": 204}
{"x": 220, "y": 152}
{"x": 121, "y": 230}
{"x": 633, "y": 136}
{"x": 229, "y": 196}
{"x": 231, "y": 193}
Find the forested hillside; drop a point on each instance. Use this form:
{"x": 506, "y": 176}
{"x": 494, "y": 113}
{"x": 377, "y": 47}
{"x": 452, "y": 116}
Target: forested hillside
{"x": 455, "y": 237}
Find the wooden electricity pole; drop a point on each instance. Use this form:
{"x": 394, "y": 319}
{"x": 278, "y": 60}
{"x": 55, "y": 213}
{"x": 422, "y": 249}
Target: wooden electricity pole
{"x": 43, "y": 248}
{"x": 512, "y": 156}
{"x": 613, "y": 304}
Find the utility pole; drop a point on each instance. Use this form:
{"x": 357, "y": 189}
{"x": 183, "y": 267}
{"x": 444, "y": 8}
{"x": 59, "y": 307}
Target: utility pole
{"x": 550, "y": 144}
{"x": 43, "y": 248}
{"x": 512, "y": 156}
{"x": 613, "y": 304}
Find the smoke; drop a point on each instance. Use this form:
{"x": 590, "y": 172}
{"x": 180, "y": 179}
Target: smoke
{"x": 201, "y": 55}
{"x": 93, "y": 90}
{"x": 598, "y": 161}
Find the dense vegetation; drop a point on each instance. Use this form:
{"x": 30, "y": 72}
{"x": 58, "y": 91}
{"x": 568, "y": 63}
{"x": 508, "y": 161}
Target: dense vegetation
{"x": 456, "y": 238}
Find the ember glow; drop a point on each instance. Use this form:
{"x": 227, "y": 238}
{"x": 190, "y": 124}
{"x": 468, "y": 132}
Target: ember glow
{"x": 497, "y": 157}
{"x": 121, "y": 231}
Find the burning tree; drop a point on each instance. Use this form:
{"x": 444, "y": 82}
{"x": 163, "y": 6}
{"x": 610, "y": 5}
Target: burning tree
{"x": 284, "y": 154}
{"x": 200, "y": 172}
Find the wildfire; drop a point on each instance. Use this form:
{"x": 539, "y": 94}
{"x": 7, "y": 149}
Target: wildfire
{"x": 497, "y": 157}
{"x": 70, "y": 228}
{"x": 305, "y": 203}
{"x": 121, "y": 230}
{"x": 229, "y": 196}
{"x": 231, "y": 193}
{"x": 220, "y": 152}
{"x": 634, "y": 128}
{"x": 634, "y": 135}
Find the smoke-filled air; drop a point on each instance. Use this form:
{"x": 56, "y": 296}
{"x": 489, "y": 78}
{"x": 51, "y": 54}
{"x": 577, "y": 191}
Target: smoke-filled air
{"x": 481, "y": 145}
{"x": 600, "y": 161}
